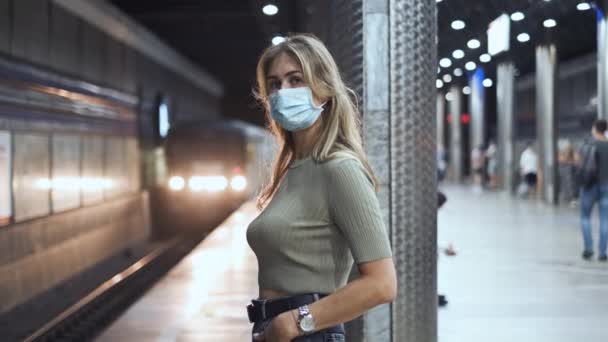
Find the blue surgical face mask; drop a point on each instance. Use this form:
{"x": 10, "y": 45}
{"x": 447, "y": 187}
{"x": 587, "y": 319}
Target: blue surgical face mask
{"x": 294, "y": 109}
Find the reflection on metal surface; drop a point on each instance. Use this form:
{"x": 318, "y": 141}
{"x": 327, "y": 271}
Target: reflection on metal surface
{"x": 50, "y": 99}
{"x": 92, "y": 170}
{"x": 73, "y": 183}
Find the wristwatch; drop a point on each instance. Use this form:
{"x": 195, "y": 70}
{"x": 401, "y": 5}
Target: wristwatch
{"x": 306, "y": 324}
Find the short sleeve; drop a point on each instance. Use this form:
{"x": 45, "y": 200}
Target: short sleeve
{"x": 354, "y": 209}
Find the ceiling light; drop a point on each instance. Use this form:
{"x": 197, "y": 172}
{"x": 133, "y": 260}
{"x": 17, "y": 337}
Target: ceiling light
{"x": 549, "y": 23}
{"x": 447, "y": 78}
{"x": 517, "y": 16}
{"x": 470, "y": 66}
{"x": 458, "y": 54}
{"x": 488, "y": 83}
{"x": 473, "y": 44}
{"x": 439, "y": 84}
{"x": 270, "y": 9}
{"x": 458, "y": 24}
{"x": 457, "y": 72}
{"x": 583, "y": 6}
{"x": 445, "y": 63}
{"x": 523, "y": 37}
{"x": 466, "y": 90}
{"x": 449, "y": 96}
{"x": 276, "y": 40}
{"x": 438, "y": 1}
{"x": 485, "y": 58}
{"x": 438, "y": 69}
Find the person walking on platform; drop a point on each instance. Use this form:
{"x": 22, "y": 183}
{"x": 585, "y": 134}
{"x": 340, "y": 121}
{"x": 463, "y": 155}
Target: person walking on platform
{"x": 592, "y": 175}
{"x": 320, "y": 211}
{"x": 528, "y": 166}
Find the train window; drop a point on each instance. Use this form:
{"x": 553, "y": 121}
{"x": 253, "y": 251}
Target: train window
{"x": 6, "y": 210}
{"x": 164, "y": 121}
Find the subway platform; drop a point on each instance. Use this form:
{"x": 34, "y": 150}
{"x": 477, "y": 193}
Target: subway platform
{"x": 518, "y": 276}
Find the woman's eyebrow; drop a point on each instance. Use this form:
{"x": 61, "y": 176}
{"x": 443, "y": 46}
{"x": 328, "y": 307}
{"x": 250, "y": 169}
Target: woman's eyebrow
{"x": 293, "y": 72}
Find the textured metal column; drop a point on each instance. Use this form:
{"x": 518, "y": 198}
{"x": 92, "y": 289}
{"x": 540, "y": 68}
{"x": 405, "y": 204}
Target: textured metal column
{"x": 413, "y": 68}
{"x": 477, "y": 107}
{"x": 440, "y": 119}
{"x": 602, "y": 55}
{"x": 456, "y": 153}
{"x": 505, "y": 81}
{"x": 546, "y": 70}
{"x": 376, "y": 324}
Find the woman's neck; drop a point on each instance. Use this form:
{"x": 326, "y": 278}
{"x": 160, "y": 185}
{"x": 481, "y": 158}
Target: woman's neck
{"x": 305, "y": 140}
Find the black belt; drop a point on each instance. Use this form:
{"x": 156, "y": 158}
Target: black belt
{"x": 260, "y": 310}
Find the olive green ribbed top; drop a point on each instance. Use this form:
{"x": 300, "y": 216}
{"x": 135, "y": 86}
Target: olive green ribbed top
{"x": 322, "y": 216}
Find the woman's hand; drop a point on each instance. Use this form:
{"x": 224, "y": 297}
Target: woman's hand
{"x": 283, "y": 328}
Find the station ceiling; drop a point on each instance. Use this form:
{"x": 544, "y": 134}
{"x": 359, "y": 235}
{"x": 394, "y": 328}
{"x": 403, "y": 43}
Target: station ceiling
{"x": 226, "y": 37}
{"x": 574, "y": 33}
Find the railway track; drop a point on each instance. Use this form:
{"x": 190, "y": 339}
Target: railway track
{"x": 87, "y": 318}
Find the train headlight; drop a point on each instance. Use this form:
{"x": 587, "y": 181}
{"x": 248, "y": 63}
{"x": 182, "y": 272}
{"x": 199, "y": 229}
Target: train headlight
{"x": 210, "y": 183}
{"x": 176, "y": 183}
{"x": 238, "y": 183}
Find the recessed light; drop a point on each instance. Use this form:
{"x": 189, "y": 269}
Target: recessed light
{"x": 458, "y": 54}
{"x": 523, "y": 37}
{"x": 439, "y": 84}
{"x": 438, "y": 1}
{"x": 517, "y": 16}
{"x": 447, "y": 78}
{"x": 458, "y": 24}
{"x": 473, "y": 44}
{"x": 270, "y": 9}
{"x": 449, "y": 96}
{"x": 470, "y": 66}
{"x": 445, "y": 63}
{"x": 458, "y": 72}
{"x": 466, "y": 90}
{"x": 485, "y": 58}
{"x": 583, "y": 6}
{"x": 549, "y": 23}
{"x": 488, "y": 83}
{"x": 276, "y": 40}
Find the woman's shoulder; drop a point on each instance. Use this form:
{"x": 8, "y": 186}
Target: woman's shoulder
{"x": 341, "y": 167}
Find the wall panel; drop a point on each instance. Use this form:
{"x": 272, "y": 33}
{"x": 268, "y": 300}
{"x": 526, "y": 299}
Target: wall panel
{"x": 65, "y": 193}
{"x": 64, "y": 41}
{"x": 30, "y": 38}
{"x": 31, "y": 169}
{"x": 5, "y": 26}
{"x": 92, "y": 169}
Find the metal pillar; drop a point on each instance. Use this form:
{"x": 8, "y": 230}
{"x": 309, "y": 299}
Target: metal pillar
{"x": 456, "y": 145}
{"x": 477, "y": 108}
{"x": 413, "y": 70}
{"x": 602, "y": 56}
{"x": 376, "y": 325}
{"x": 505, "y": 79}
{"x": 440, "y": 119}
{"x": 546, "y": 127}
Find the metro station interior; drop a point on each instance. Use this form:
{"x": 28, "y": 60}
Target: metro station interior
{"x": 134, "y": 144}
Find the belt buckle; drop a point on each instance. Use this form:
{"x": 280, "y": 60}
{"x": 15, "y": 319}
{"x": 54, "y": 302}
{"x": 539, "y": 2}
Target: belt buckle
{"x": 251, "y": 307}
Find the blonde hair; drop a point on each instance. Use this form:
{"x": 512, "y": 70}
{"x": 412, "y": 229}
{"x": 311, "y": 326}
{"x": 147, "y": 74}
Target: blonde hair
{"x": 340, "y": 121}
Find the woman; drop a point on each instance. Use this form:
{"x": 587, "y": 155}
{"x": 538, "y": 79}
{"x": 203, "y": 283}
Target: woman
{"x": 320, "y": 212}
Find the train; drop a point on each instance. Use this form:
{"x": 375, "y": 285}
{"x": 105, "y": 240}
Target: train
{"x": 212, "y": 168}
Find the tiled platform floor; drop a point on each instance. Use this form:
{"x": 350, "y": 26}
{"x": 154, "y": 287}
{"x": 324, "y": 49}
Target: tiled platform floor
{"x": 201, "y": 299}
{"x": 519, "y": 275}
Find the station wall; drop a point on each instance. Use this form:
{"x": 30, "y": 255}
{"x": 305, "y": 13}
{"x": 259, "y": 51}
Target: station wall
{"x": 77, "y": 139}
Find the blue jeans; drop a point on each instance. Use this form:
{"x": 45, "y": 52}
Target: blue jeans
{"x": 588, "y": 198}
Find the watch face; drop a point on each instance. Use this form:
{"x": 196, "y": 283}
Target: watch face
{"x": 307, "y": 324}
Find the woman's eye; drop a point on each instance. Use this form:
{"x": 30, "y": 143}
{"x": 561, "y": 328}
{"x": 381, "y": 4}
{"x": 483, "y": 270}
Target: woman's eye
{"x": 273, "y": 86}
{"x": 295, "y": 80}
